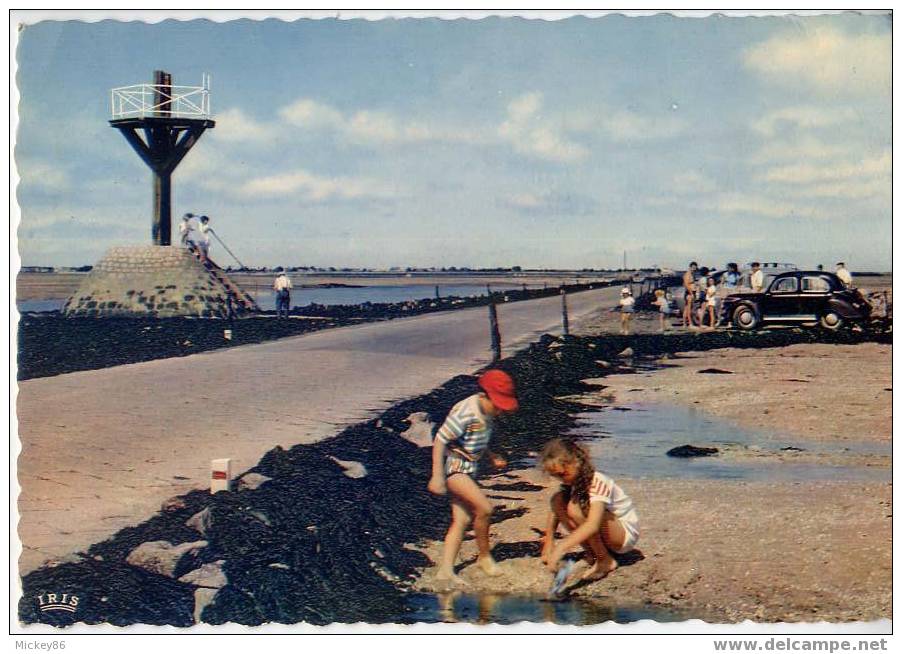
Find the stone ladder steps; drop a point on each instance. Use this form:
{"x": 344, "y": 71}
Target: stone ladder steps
{"x": 243, "y": 298}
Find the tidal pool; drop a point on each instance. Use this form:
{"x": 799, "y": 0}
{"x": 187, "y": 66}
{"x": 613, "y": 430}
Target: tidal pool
{"x": 632, "y": 441}
{"x": 487, "y": 608}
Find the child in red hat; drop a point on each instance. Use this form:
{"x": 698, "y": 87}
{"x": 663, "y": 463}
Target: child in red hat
{"x": 459, "y": 444}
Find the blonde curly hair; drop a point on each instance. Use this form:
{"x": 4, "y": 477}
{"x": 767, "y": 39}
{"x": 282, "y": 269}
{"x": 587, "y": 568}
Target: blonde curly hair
{"x": 564, "y": 450}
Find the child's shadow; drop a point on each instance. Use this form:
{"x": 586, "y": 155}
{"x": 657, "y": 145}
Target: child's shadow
{"x": 623, "y": 560}
{"x": 508, "y": 551}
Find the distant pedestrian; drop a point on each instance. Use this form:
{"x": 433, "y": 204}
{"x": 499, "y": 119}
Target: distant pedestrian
{"x": 663, "y": 305}
{"x": 844, "y": 275}
{"x": 689, "y": 293}
{"x": 185, "y": 229}
{"x": 282, "y": 287}
{"x": 820, "y": 267}
{"x": 711, "y": 302}
{"x": 730, "y": 278}
{"x": 700, "y": 298}
{"x": 627, "y": 309}
{"x": 205, "y": 231}
{"x": 757, "y": 279}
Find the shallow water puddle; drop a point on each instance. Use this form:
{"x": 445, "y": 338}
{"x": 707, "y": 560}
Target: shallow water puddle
{"x": 633, "y": 442}
{"x": 510, "y": 609}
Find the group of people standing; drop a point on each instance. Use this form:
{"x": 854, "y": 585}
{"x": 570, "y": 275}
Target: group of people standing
{"x": 195, "y": 234}
{"x": 702, "y": 294}
{"x": 700, "y": 291}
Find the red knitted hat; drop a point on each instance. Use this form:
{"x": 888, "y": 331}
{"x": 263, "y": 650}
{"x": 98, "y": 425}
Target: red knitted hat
{"x": 499, "y": 386}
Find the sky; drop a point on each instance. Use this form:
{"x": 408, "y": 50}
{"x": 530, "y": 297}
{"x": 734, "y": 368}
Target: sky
{"x": 478, "y": 143}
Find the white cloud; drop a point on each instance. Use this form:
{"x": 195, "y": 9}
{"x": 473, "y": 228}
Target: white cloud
{"x": 369, "y": 127}
{"x": 315, "y": 188}
{"x": 311, "y": 114}
{"x": 806, "y": 173}
{"x": 825, "y": 59}
{"x": 804, "y": 117}
{"x": 806, "y": 148}
{"x": 43, "y": 175}
{"x": 529, "y": 133}
{"x": 762, "y": 205}
{"x": 233, "y": 125}
{"x": 630, "y": 126}
{"x": 528, "y": 201}
{"x": 692, "y": 181}
{"x": 877, "y": 190}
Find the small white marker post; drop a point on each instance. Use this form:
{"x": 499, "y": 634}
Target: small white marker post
{"x": 220, "y": 475}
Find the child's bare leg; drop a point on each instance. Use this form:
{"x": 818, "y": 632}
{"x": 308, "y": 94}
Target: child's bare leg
{"x": 464, "y": 488}
{"x": 559, "y": 506}
{"x": 604, "y": 563}
{"x": 460, "y": 520}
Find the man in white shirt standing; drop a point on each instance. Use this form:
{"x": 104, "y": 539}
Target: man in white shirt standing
{"x": 204, "y": 228}
{"x": 185, "y": 230}
{"x": 757, "y": 279}
{"x": 844, "y": 274}
{"x": 282, "y": 287}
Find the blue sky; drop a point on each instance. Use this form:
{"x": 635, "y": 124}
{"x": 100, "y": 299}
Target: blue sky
{"x": 497, "y": 142}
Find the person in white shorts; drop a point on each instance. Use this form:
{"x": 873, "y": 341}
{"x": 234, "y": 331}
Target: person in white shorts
{"x": 711, "y": 302}
{"x": 592, "y": 507}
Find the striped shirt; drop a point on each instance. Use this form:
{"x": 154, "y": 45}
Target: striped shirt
{"x": 604, "y": 489}
{"x": 466, "y": 429}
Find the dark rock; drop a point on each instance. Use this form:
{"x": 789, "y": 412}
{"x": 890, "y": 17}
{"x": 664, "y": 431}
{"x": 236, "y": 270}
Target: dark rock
{"x": 686, "y": 451}
{"x": 173, "y": 504}
{"x": 715, "y": 371}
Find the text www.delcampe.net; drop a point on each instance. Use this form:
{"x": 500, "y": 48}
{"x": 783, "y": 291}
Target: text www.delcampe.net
{"x": 800, "y": 645}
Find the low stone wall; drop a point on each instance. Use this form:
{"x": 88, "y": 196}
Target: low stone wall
{"x": 149, "y": 280}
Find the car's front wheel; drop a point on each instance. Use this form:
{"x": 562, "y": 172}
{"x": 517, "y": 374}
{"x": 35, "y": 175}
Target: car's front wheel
{"x": 831, "y": 320}
{"x": 744, "y": 317}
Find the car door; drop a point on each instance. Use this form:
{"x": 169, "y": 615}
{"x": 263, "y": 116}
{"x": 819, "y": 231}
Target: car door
{"x": 781, "y": 301}
{"x": 815, "y": 291}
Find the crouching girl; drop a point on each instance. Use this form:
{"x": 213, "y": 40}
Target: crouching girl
{"x": 595, "y": 511}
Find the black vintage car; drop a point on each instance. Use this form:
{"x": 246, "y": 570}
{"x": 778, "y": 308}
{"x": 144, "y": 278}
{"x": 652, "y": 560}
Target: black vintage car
{"x": 797, "y": 297}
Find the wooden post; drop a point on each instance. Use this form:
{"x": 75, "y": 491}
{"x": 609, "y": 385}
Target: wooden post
{"x": 437, "y": 296}
{"x": 565, "y": 318}
{"x": 161, "y": 228}
{"x": 495, "y": 332}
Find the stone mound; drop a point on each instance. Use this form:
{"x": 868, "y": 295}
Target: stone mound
{"x": 158, "y": 281}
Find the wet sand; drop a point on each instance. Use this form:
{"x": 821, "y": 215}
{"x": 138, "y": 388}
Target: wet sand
{"x": 727, "y": 551}
{"x": 813, "y": 391}
{"x": 719, "y": 551}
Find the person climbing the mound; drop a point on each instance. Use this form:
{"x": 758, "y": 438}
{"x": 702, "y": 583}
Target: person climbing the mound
{"x": 592, "y": 507}
{"x": 460, "y": 443}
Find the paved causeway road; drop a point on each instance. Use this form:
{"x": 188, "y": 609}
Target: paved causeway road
{"x": 102, "y": 449}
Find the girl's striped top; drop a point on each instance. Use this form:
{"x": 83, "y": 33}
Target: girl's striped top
{"x": 605, "y": 490}
{"x": 468, "y": 429}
